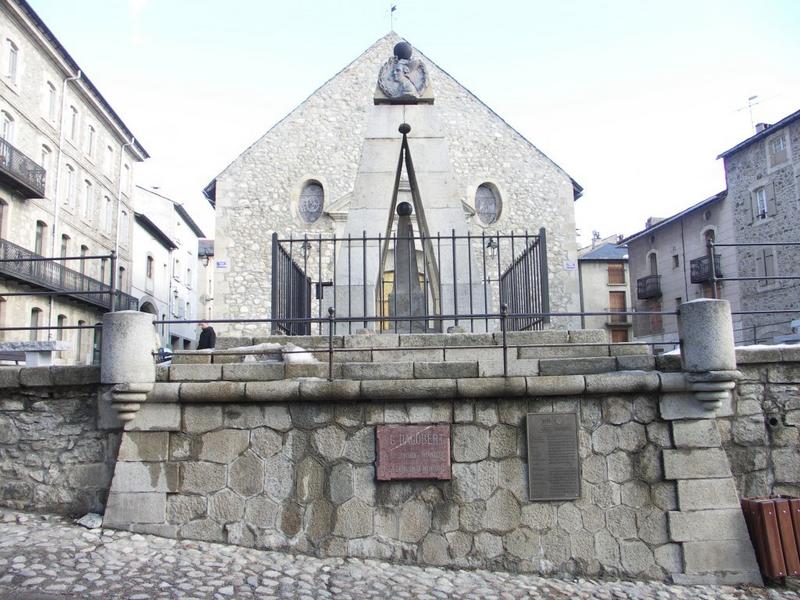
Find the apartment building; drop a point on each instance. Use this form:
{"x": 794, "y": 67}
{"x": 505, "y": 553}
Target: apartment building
{"x": 603, "y": 279}
{"x": 67, "y": 163}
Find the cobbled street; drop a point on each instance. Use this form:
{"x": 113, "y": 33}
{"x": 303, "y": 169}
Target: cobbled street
{"x": 45, "y": 557}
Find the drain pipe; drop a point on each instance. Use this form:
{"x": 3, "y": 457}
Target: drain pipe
{"x": 57, "y": 190}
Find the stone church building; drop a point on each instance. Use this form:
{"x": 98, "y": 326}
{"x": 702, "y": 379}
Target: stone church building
{"x": 336, "y": 166}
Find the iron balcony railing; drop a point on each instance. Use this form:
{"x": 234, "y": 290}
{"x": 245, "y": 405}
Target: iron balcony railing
{"x": 20, "y": 172}
{"x": 648, "y": 287}
{"x": 24, "y": 265}
{"x": 700, "y": 269}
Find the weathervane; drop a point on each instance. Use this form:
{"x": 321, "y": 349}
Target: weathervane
{"x": 392, "y": 8}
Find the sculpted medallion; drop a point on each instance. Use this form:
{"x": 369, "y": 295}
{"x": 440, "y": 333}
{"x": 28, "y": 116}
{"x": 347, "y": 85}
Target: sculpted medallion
{"x": 402, "y": 76}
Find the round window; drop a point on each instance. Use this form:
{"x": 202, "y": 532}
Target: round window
{"x": 487, "y": 204}
{"x": 311, "y": 200}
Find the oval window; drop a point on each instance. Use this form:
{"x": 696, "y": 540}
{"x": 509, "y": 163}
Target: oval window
{"x": 487, "y": 204}
{"x": 311, "y": 199}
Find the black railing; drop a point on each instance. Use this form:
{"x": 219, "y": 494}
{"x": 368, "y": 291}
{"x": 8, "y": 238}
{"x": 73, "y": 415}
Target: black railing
{"x": 460, "y": 280}
{"x": 32, "y": 268}
{"x": 648, "y": 287}
{"x": 524, "y": 287}
{"x": 700, "y": 269}
{"x": 291, "y": 293}
{"x": 21, "y": 172}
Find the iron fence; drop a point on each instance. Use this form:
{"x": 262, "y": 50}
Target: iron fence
{"x": 442, "y": 281}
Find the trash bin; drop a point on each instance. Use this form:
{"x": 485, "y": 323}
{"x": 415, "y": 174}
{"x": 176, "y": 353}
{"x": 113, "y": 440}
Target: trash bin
{"x": 774, "y": 526}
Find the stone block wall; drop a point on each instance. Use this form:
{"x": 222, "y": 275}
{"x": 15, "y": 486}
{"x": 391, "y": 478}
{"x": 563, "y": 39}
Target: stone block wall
{"x": 301, "y": 476}
{"x": 58, "y": 441}
{"x": 762, "y": 436}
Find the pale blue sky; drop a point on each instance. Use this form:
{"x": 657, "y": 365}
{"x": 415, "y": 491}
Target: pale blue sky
{"x": 633, "y": 98}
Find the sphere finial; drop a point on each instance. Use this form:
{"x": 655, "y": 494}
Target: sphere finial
{"x": 404, "y": 209}
{"x": 403, "y": 50}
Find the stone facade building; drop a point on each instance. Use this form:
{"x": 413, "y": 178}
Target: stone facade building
{"x": 67, "y": 165}
{"x": 166, "y": 270}
{"x": 669, "y": 259}
{"x": 603, "y": 276}
{"x": 763, "y": 178}
{"x": 317, "y": 153}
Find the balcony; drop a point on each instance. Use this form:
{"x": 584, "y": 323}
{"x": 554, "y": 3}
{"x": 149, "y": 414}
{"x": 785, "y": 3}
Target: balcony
{"x": 648, "y": 287}
{"x": 55, "y": 277}
{"x": 617, "y": 318}
{"x": 20, "y": 172}
{"x": 700, "y": 269}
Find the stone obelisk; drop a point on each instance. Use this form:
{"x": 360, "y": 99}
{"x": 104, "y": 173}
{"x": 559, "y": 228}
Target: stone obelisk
{"x": 406, "y": 298}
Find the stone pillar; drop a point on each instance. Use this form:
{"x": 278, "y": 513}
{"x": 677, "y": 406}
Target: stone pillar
{"x": 708, "y": 356}
{"x": 406, "y": 298}
{"x": 127, "y": 359}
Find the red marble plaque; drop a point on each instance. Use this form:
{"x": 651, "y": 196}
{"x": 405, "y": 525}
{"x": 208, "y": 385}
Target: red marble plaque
{"x": 413, "y": 452}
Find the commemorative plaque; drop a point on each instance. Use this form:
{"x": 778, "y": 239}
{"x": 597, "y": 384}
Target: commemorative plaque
{"x": 553, "y": 467}
{"x": 413, "y": 452}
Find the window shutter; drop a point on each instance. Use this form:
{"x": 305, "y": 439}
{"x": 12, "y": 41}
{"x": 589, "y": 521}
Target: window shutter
{"x": 760, "y": 265}
{"x": 771, "y": 204}
{"x": 753, "y": 207}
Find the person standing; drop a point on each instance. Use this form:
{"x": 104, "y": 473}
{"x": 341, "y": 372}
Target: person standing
{"x": 208, "y": 337}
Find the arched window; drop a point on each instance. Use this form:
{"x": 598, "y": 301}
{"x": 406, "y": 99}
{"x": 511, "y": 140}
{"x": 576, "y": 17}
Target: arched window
{"x": 90, "y": 140}
{"x": 652, "y": 261}
{"x": 88, "y": 199}
{"x": 7, "y": 127}
{"x": 64, "y": 245}
{"x": 69, "y": 186}
{"x": 487, "y": 203}
{"x": 41, "y": 233}
{"x": 35, "y": 318}
{"x": 79, "y": 343}
{"x": 84, "y": 252}
{"x": 108, "y": 219}
{"x": 149, "y": 271}
{"x": 51, "y": 101}
{"x": 73, "y": 123}
{"x": 312, "y": 198}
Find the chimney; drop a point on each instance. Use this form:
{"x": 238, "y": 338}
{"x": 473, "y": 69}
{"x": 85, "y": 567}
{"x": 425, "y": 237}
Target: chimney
{"x": 762, "y": 126}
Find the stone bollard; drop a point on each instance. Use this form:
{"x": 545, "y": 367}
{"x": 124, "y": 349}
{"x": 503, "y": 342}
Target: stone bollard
{"x": 708, "y": 355}
{"x": 127, "y": 359}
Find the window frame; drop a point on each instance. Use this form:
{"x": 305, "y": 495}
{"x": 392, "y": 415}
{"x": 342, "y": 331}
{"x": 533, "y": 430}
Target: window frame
{"x": 12, "y": 62}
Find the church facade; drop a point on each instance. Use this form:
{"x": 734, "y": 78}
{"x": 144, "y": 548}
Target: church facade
{"x": 334, "y": 167}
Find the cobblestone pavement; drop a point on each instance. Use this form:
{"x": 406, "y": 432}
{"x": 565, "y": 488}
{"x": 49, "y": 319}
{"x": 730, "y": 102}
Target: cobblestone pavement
{"x": 47, "y": 558}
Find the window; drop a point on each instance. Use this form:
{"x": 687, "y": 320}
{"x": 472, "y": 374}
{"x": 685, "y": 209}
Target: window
{"x": 652, "y": 261}
{"x": 109, "y": 164}
{"x": 2, "y": 316}
{"x": 763, "y": 203}
{"x": 41, "y": 233}
{"x": 678, "y": 301}
{"x": 676, "y": 261}
{"x": 64, "y": 245}
{"x": 123, "y": 227}
{"x": 90, "y": 140}
{"x": 617, "y": 304}
{"x": 50, "y": 98}
{"x": 188, "y": 277}
{"x": 487, "y": 203}
{"x": 776, "y": 149}
{"x": 73, "y": 123}
{"x": 88, "y": 200}
{"x": 69, "y": 186}
{"x": 7, "y": 126}
{"x": 616, "y": 273}
{"x": 84, "y": 252}
{"x": 108, "y": 218}
{"x": 126, "y": 178}
{"x": 35, "y": 318}
{"x": 46, "y": 156}
{"x": 176, "y": 271}
{"x": 765, "y": 265}
{"x": 103, "y": 270}
{"x": 312, "y": 198}
{"x": 12, "y": 64}
{"x": 121, "y": 280}
{"x": 188, "y": 312}
{"x": 149, "y": 271}
{"x": 61, "y": 321}
{"x": 79, "y": 343}
{"x": 3, "y": 217}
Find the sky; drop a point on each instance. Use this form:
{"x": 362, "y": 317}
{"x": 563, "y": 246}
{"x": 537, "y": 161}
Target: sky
{"x": 633, "y": 98}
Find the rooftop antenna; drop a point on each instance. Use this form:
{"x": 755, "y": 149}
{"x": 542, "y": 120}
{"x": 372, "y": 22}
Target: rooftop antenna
{"x": 751, "y": 102}
{"x": 392, "y": 8}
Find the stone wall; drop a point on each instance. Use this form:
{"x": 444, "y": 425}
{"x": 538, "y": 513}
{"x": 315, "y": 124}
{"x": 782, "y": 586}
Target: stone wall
{"x": 57, "y": 449}
{"x": 301, "y": 476}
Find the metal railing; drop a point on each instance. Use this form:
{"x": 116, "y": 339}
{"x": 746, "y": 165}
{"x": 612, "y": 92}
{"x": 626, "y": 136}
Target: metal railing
{"x": 458, "y": 281}
{"x": 648, "y": 287}
{"x": 617, "y": 316}
{"x": 26, "y": 266}
{"x": 700, "y": 269}
{"x": 22, "y": 172}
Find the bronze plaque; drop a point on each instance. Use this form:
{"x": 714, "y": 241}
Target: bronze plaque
{"x": 554, "y": 471}
{"x": 413, "y": 452}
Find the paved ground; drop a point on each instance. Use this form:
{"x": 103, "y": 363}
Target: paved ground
{"x": 49, "y": 558}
